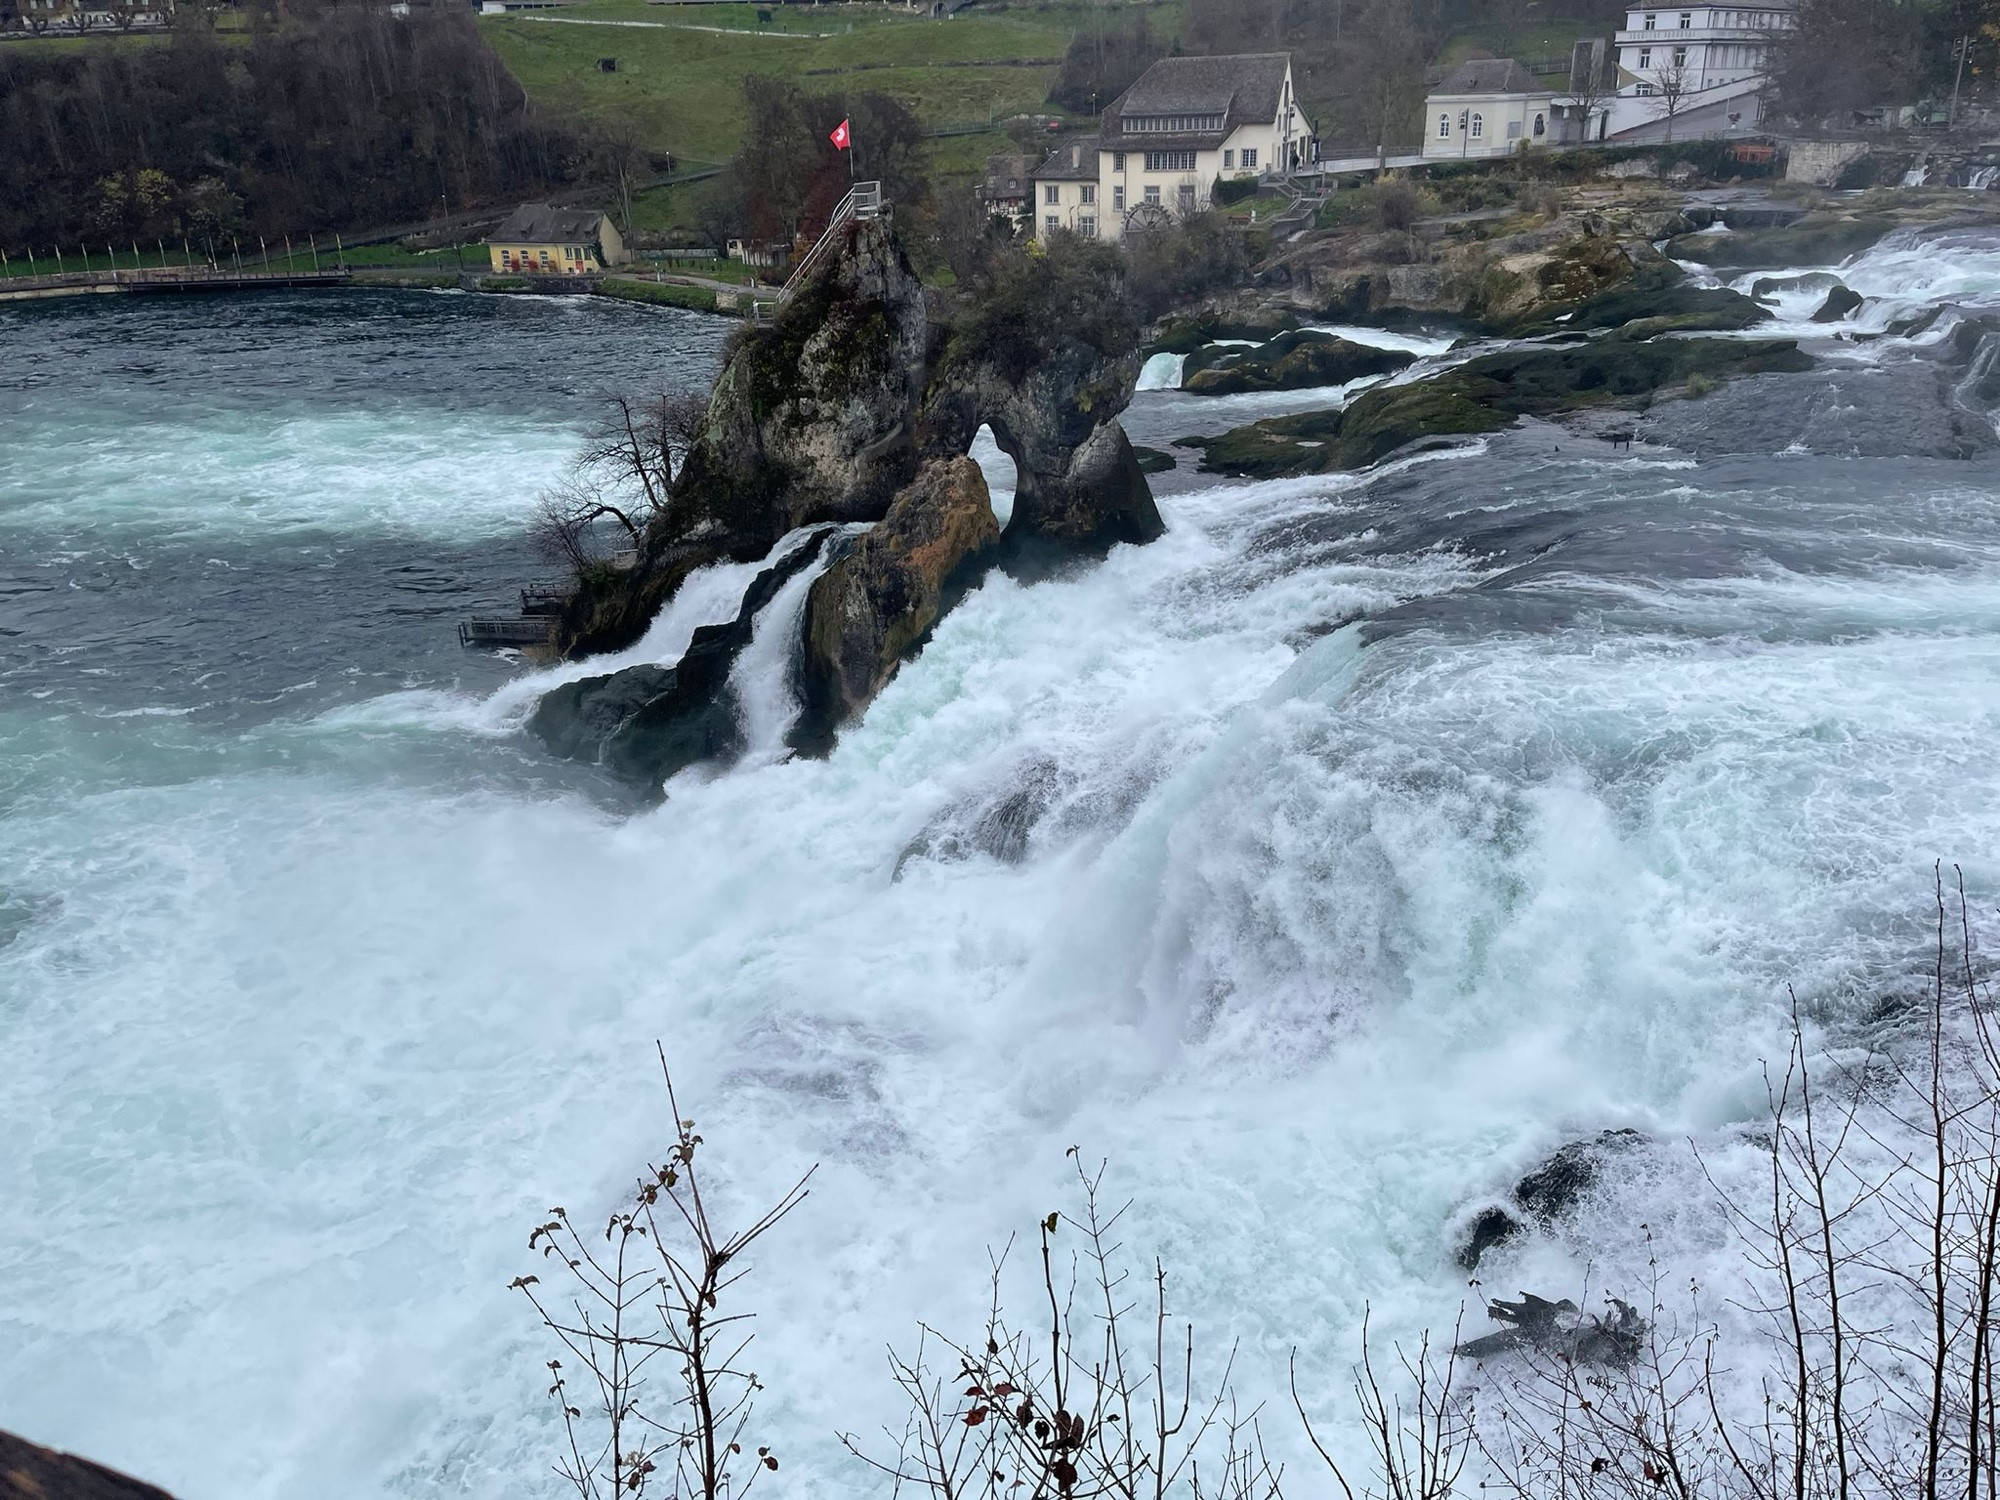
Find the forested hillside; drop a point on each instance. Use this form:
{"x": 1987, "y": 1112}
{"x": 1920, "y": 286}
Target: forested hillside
{"x": 335, "y": 117}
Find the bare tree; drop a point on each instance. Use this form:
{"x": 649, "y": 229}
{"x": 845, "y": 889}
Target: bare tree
{"x": 1592, "y": 80}
{"x": 1672, "y": 83}
{"x": 1420, "y": 1443}
{"x": 653, "y": 1283}
{"x": 640, "y": 442}
{"x": 1100, "y": 1402}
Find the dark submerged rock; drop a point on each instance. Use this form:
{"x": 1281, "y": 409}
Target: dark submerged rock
{"x": 1547, "y": 1194}
{"x": 1840, "y": 303}
{"x": 875, "y": 604}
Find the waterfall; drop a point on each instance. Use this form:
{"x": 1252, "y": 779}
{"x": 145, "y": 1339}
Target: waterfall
{"x": 1982, "y": 178}
{"x": 762, "y": 679}
{"x": 1162, "y": 373}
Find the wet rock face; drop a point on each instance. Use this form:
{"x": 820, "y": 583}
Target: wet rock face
{"x": 810, "y": 418}
{"x": 646, "y": 722}
{"x": 1048, "y": 356}
{"x": 875, "y": 605}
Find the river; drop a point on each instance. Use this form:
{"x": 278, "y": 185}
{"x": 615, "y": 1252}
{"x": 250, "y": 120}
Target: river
{"x": 1362, "y": 841}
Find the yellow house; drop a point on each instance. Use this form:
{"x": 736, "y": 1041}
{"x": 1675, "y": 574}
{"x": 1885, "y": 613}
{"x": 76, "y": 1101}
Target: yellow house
{"x": 537, "y": 240}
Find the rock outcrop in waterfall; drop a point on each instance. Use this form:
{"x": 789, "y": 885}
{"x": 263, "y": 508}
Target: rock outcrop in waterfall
{"x": 857, "y": 404}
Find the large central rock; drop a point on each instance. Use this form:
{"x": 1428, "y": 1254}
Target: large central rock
{"x": 874, "y": 606}
{"x": 810, "y": 419}
{"x": 827, "y": 413}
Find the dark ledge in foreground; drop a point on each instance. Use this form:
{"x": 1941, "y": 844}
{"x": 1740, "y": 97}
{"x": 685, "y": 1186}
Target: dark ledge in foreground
{"x": 31, "y": 1472}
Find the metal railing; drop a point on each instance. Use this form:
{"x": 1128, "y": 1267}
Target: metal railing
{"x": 863, "y": 201}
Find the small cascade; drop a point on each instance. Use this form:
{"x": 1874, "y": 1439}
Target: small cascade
{"x": 1917, "y": 175}
{"x": 1162, "y": 373}
{"x": 763, "y": 679}
{"x": 1982, "y": 178}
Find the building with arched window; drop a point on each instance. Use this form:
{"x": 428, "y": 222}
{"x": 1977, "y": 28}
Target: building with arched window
{"x": 1491, "y": 106}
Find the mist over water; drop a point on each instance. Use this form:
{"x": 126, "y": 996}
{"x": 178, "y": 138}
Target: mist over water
{"x": 1363, "y": 842}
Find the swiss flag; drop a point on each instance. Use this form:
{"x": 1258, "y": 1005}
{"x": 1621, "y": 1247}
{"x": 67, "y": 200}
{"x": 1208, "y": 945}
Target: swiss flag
{"x": 842, "y": 137}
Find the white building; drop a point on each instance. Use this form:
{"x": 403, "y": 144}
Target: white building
{"x": 1164, "y": 143}
{"x": 1491, "y": 106}
{"x": 1716, "y": 59}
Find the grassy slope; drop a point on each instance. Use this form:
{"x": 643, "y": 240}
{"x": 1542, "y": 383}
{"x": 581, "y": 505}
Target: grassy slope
{"x": 682, "y": 85}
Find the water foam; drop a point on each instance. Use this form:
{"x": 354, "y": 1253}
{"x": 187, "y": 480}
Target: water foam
{"x": 1348, "y": 903}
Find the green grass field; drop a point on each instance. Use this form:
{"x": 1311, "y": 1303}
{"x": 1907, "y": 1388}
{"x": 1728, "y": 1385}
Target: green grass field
{"x": 681, "y": 67}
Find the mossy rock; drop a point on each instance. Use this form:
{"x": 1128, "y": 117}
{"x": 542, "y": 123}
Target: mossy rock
{"x": 1294, "y": 362}
{"x": 1813, "y": 241}
{"x": 1181, "y": 334}
{"x": 1485, "y": 395}
{"x": 1152, "y": 460}
{"x": 1656, "y": 297}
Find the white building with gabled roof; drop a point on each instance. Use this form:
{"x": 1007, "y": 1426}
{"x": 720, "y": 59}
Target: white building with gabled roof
{"x": 1164, "y": 143}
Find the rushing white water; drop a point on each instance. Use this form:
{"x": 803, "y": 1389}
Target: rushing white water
{"x": 1390, "y": 834}
{"x": 1162, "y": 372}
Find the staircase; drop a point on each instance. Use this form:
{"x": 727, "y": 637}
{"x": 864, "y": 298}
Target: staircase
{"x": 863, "y": 201}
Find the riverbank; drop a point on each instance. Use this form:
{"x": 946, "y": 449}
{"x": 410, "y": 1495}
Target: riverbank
{"x": 691, "y": 293}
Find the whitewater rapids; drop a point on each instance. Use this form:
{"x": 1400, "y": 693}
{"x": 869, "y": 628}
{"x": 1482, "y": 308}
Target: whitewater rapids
{"x": 1390, "y": 834}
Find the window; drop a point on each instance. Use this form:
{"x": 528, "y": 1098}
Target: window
{"x": 1087, "y": 193}
{"x": 1169, "y": 161}
{"x": 1444, "y": 126}
{"x": 1051, "y": 224}
{"x": 1645, "y": 58}
{"x": 1087, "y": 227}
{"x": 1651, "y": 22}
{"x": 1478, "y": 126}
{"x": 1250, "y": 156}
{"x": 1118, "y": 198}
{"x": 1680, "y": 57}
{"x": 1152, "y": 195}
{"x": 1186, "y": 198}
{"x": 1687, "y": 19}
{"x": 1228, "y": 160}
{"x": 1052, "y": 195}
{"x": 1170, "y": 124}
{"x": 1118, "y": 161}
{"x": 1644, "y": 91}
{"x": 1541, "y": 125}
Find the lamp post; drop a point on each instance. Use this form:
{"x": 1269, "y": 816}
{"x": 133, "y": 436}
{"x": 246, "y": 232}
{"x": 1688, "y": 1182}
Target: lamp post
{"x": 1959, "y": 48}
